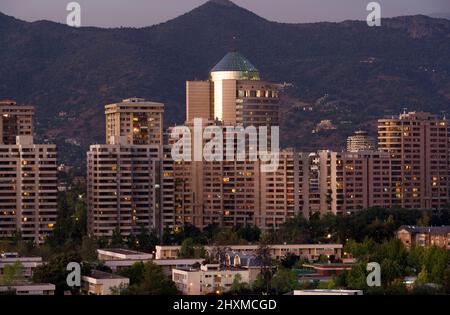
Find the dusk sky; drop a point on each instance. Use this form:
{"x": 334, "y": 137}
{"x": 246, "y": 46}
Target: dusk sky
{"x": 138, "y": 13}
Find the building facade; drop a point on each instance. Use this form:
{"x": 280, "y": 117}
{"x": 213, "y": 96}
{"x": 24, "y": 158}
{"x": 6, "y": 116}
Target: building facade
{"x": 424, "y": 236}
{"x": 16, "y": 120}
{"x": 124, "y": 175}
{"x": 419, "y": 147}
{"x": 361, "y": 141}
{"x": 28, "y": 182}
{"x": 210, "y": 279}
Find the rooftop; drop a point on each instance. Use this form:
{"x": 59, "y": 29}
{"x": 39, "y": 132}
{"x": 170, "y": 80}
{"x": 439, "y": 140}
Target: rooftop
{"x": 234, "y": 61}
{"x": 96, "y": 274}
{"x": 122, "y": 251}
{"x": 436, "y": 230}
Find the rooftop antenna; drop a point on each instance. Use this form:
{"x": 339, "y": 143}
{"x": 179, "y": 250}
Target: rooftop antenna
{"x": 233, "y": 44}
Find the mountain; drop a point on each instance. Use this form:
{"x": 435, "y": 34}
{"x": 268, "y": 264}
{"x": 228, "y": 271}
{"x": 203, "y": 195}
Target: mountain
{"x": 440, "y": 15}
{"x": 346, "y": 72}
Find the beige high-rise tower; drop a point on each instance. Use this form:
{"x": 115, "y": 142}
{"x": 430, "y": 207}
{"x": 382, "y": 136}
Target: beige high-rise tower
{"x": 139, "y": 121}
{"x": 15, "y": 120}
{"x": 234, "y": 94}
{"x": 361, "y": 141}
{"x": 28, "y": 184}
{"x": 123, "y": 175}
{"x": 229, "y": 193}
{"x": 419, "y": 146}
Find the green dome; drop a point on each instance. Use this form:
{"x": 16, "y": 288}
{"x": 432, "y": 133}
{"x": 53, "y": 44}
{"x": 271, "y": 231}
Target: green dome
{"x": 234, "y": 61}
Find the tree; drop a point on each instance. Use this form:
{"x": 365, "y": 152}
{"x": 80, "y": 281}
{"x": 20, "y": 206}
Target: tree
{"x": 264, "y": 258}
{"x": 88, "y": 249}
{"x": 239, "y": 287}
{"x": 167, "y": 237}
{"x": 250, "y": 233}
{"x": 147, "y": 240}
{"x": 117, "y": 238}
{"x": 187, "y": 249}
{"x": 147, "y": 279}
{"x": 55, "y": 272}
{"x": 12, "y": 273}
{"x": 424, "y": 219}
{"x": 447, "y": 280}
{"x": 356, "y": 277}
{"x": 285, "y": 280}
{"x": 422, "y": 277}
{"x": 290, "y": 260}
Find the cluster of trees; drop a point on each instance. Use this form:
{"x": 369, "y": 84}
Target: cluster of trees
{"x": 146, "y": 279}
{"x": 378, "y": 224}
{"x": 430, "y": 265}
{"x": 54, "y": 271}
{"x": 212, "y": 234}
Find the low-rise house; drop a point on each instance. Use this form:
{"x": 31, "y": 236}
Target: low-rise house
{"x": 311, "y": 252}
{"x": 122, "y": 254}
{"x": 209, "y": 279}
{"x": 28, "y": 263}
{"x": 28, "y": 289}
{"x": 117, "y": 259}
{"x": 102, "y": 283}
{"x": 424, "y": 236}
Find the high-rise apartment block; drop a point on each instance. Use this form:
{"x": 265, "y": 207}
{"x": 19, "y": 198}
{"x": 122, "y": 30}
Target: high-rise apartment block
{"x": 409, "y": 170}
{"x": 420, "y": 155}
{"x": 139, "y": 121}
{"x": 123, "y": 176}
{"x": 133, "y": 180}
{"x": 123, "y": 187}
{"x": 227, "y": 193}
{"x": 28, "y": 193}
{"x": 16, "y": 120}
{"x": 361, "y": 141}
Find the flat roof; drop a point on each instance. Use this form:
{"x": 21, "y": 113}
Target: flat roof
{"x": 122, "y": 251}
{"x": 96, "y": 274}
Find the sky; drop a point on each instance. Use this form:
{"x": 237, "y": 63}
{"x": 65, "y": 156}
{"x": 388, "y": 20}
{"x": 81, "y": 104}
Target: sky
{"x": 140, "y": 13}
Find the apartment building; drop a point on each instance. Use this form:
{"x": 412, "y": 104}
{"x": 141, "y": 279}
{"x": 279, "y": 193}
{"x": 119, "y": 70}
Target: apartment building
{"x": 210, "y": 279}
{"x": 28, "y": 184}
{"x": 15, "y": 120}
{"x": 234, "y": 94}
{"x": 103, "y": 283}
{"x": 28, "y": 263}
{"x": 123, "y": 188}
{"x": 139, "y": 121}
{"x": 358, "y": 180}
{"x": 124, "y": 175}
{"x": 361, "y": 141}
{"x": 424, "y": 236}
{"x": 419, "y": 146}
{"x": 311, "y": 252}
{"x": 28, "y": 289}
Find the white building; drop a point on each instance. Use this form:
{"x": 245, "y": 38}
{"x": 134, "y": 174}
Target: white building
{"x": 30, "y": 289}
{"x": 28, "y": 263}
{"x": 122, "y": 254}
{"x": 309, "y": 251}
{"x": 101, "y": 283}
{"x": 210, "y": 279}
{"x": 117, "y": 259}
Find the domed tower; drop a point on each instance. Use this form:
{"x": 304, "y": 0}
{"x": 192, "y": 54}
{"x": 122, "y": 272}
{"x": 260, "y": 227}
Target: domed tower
{"x": 234, "y": 95}
{"x": 234, "y": 66}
